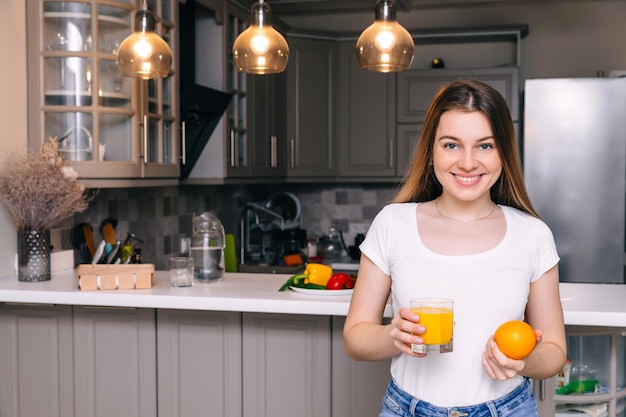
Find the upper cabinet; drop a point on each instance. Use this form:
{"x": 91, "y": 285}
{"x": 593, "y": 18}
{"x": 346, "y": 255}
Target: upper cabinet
{"x": 367, "y": 145}
{"x": 311, "y": 107}
{"x": 109, "y": 126}
{"x": 417, "y": 88}
{"x": 250, "y": 142}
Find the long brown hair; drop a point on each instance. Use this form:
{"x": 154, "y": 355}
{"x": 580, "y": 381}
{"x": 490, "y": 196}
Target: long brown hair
{"x": 420, "y": 183}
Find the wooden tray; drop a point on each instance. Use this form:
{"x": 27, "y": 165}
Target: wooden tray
{"x": 114, "y": 277}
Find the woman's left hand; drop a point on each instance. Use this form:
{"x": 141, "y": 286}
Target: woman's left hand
{"x": 499, "y": 366}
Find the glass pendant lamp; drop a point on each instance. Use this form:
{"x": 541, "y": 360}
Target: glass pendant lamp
{"x": 385, "y": 46}
{"x": 260, "y": 49}
{"x": 144, "y": 54}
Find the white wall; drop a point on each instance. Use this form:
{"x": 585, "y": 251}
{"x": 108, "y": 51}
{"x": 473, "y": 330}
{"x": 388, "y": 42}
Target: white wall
{"x": 12, "y": 108}
{"x": 566, "y": 38}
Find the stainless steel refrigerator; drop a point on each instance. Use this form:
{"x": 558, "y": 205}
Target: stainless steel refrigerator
{"x": 574, "y": 155}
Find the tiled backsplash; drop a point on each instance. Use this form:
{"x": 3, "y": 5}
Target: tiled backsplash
{"x": 162, "y": 216}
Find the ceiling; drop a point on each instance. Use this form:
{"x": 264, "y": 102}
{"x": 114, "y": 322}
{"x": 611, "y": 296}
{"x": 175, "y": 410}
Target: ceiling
{"x": 303, "y": 7}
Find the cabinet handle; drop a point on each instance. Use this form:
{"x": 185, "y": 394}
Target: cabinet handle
{"x": 391, "y": 154}
{"x": 183, "y": 141}
{"x": 145, "y": 138}
{"x": 292, "y": 152}
{"x": 273, "y": 158}
{"x": 542, "y": 390}
{"x": 245, "y": 150}
{"x": 232, "y": 148}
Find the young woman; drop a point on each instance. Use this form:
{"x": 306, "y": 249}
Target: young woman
{"x": 460, "y": 227}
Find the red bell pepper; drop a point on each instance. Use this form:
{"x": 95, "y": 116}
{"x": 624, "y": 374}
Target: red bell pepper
{"x": 340, "y": 281}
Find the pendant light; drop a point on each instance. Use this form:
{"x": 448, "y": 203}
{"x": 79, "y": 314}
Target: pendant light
{"x": 385, "y": 46}
{"x": 260, "y": 49}
{"x": 144, "y": 54}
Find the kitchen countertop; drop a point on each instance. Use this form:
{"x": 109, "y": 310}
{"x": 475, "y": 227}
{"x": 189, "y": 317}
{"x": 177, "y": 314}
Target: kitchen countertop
{"x": 583, "y": 304}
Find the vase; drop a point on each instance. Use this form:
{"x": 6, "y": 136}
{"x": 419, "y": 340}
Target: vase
{"x": 33, "y": 249}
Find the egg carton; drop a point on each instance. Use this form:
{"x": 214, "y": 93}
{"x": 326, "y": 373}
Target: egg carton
{"x": 114, "y": 277}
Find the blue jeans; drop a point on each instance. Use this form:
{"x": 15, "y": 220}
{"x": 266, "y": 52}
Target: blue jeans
{"x": 518, "y": 403}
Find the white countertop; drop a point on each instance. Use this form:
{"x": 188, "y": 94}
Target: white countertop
{"x": 235, "y": 292}
{"x": 583, "y": 304}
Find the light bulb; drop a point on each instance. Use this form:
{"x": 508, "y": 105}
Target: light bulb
{"x": 260, "y": 49}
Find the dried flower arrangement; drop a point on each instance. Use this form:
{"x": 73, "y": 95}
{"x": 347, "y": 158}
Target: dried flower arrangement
{"x": 41, "y": 189}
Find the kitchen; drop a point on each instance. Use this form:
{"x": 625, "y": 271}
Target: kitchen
{"x": 566, "y": 39}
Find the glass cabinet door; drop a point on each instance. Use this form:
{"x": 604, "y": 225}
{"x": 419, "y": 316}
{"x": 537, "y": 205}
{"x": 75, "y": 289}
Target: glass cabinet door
{"x": 237, "y": 141}
{"x": 78, "y": 95}
{"x": 87, "y": 104}
{"x": 160, "y": 148}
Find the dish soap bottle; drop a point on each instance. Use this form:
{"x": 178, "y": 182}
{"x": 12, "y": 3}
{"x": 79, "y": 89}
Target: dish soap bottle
{"x": 207, "y": 248}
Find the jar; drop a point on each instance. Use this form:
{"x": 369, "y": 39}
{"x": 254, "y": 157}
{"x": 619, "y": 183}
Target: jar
{"x": 207, "y": 248}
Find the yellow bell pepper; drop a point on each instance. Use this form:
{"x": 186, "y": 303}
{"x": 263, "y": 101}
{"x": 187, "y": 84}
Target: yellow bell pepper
{"x": 318, "y": 273}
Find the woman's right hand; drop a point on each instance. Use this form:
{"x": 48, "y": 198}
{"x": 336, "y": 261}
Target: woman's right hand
{"x": 406, "y": 330}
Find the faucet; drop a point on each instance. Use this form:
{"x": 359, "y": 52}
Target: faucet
{"x": 244, "y": 229}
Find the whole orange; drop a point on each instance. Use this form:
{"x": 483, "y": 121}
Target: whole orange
{"x": 515, "y": 338}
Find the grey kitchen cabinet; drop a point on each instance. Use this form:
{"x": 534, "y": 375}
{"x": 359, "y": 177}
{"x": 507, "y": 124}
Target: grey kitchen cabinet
{"x": 417, "y": 88}
{"x": 287, "y": 365}
{"x": 115, "y": 362}
{"x": 199, "y": 363}
{"x": 311, "y": 107}
{"x": 36, "y": 360}
{"x": 109, "y": 127}
{"x": 367, "y": 102}
{"x": 108, "y": 361}
{"x": 407, "y": 136}
{"x": 358, "y": 387}
{"x": 251, "y": 142}
{"x": 268, "y": 126}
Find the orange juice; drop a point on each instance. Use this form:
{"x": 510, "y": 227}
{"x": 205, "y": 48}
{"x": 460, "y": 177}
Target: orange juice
{"x": 438, "y": 323}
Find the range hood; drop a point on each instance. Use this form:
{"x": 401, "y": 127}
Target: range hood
{"x": 201, "y": 108}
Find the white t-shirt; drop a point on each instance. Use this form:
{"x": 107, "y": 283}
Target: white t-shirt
{"x": 488, "y": 289}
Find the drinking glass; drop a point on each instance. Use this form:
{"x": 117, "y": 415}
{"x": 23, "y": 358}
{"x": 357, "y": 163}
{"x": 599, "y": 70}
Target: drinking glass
{"x": 437, "y": 317}
{"x": 181, "y": 271}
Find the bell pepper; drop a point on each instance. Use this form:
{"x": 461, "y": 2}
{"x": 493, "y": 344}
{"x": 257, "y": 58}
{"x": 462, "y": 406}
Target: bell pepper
{"x": 340, "y": 281}
{"x": 318, "y": 273}
{"x": 301, "y": 281}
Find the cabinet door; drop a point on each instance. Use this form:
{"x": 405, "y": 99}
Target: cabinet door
{"x": 267, "y": 95}
{"x": 79, "y": 95}
{"x": 366, "y": 119}
{"x": 36, "y": 363}
{"x": 199, "y": 362}
{"x": 160, "y": 148}
{"x": 237, "y": 140}
{"x": 407, "y": 136}
{"x": 115, "y": 358}
{"x": 286, "y": 362}
{"x": 416, "y": 88}
{"x": 311, "y": 107}
{"x": 358, "y": 387}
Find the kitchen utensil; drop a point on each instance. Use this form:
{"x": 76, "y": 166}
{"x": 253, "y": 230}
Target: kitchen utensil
{"x": 82, "y": 253}
{"x": 89, "y": 240}
{"x": 107, "y": 230}
{"x": 99, "y": 253}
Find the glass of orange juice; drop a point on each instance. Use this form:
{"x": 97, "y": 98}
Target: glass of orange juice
{"x": 437, "y": 317}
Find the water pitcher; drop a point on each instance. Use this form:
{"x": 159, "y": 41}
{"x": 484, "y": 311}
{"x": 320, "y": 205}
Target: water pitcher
{"x": 207, "y": 247}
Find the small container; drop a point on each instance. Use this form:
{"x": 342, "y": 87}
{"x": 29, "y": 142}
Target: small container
{"x": 181, "y": 271}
